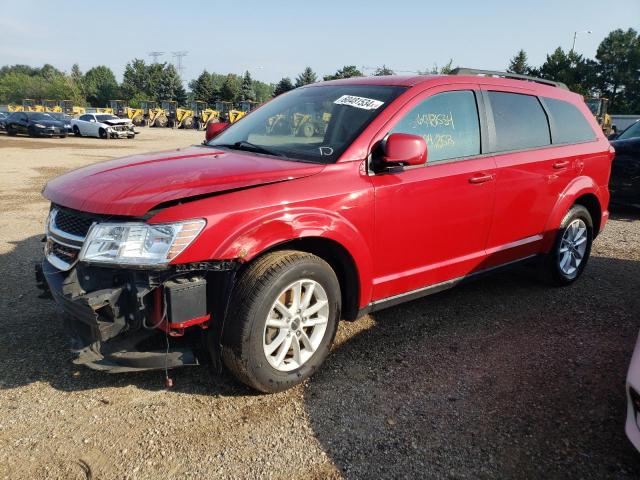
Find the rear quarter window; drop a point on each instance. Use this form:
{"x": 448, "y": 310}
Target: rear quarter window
{"x": 520, "y": 122}
{"x": 569, "y": 123}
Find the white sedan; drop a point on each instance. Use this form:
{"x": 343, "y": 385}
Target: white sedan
{"x": 102, "y": 125}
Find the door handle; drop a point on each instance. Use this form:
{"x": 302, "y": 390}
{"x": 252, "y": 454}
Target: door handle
{"x": 481, "y": 178}
{"x": 561, "y": 164}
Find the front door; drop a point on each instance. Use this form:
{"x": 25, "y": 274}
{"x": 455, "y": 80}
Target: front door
{"x": 432, "y": 221}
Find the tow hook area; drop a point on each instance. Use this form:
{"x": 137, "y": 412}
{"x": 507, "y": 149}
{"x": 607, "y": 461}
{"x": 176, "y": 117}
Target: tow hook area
{"x": 127, "y": 320}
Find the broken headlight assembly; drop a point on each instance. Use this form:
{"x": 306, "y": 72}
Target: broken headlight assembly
{"x": 138, "y": 244}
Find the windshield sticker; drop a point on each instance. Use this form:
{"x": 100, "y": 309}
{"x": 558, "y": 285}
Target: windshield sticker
{"x": 359, "y": 102}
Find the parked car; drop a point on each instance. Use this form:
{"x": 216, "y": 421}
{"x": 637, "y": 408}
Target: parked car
{"x": 256, "y": 244}
{"x": 64, "y": 118}
{"x": 625, "y": 171}
{"x": 632, "y": 131}
{"x": 102, "y": 125}
{"x": 3, "y": 120}
{"x": 34, "y": 124}
{"x": 632, "y": 425}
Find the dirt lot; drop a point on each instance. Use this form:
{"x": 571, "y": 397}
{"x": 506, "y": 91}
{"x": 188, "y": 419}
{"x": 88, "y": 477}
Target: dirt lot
{"x": 502, "y": 378}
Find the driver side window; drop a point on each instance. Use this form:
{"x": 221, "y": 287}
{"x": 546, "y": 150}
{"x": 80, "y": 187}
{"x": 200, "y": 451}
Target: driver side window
{"x": 449, "y": 124}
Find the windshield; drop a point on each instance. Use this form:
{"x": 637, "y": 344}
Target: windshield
{"x": 106, "y": 118}
{"x": 594, "y": 105}
{"x": 312, "y": 124}
{"x": 631, "y": 132}
{"x": 41, "y": 116}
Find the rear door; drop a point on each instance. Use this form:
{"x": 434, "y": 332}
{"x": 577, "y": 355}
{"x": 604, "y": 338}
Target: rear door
{"x": 529, "y": 174}
{"x": 432, "y": 221}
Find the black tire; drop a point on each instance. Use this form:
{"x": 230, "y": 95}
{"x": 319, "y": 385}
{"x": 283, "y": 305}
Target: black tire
{"x": 76, "y": 131}
{"x": 64, "y": 135}
{"x": 550, "y": 266}
{"x": 102, "y": 133}
{"x": 256, "y": 290}
{"x": 11, "y": 132}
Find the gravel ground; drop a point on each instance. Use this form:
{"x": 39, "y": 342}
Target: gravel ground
{"x": 502, "y": 378}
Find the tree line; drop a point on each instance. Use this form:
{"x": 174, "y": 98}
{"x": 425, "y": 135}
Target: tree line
{"x": 613, "y": 73}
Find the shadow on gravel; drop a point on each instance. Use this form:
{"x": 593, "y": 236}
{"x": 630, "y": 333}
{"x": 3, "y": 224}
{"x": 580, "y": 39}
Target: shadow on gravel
{"x": 502, "y": 378}
{"x": 33, "y": 344}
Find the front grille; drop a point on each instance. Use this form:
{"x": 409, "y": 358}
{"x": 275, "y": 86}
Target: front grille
{"x": 68, "y": 255}
{"x": 73, "y": 223}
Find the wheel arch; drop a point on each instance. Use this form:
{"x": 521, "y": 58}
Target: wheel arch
{"x": 340, "y": 260}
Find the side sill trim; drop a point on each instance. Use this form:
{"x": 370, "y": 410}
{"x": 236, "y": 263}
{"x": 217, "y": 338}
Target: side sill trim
{"x": 435, "y": 288}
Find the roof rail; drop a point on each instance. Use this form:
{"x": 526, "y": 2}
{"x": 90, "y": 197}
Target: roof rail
{"x": 516, "y": 76}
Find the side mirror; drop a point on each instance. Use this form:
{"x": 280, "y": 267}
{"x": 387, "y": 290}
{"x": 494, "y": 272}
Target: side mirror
{"x": 214, "y": 129}
{"x": 403, "y": 149}
{"x": 612, "y": 136}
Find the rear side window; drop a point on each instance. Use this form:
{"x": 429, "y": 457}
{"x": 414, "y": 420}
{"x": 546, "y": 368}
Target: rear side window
{"x": 520, "y": 121}
{"x": 449, "y": 124}
{"x": 569, "y": 123}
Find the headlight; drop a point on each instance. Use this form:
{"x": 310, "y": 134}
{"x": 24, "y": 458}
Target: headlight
{"x": 39, "y": 125}
{"x": 138, "y": 243}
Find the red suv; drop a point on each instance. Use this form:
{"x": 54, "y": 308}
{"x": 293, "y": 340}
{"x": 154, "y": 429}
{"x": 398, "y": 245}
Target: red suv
{"x": 331, "y": 201}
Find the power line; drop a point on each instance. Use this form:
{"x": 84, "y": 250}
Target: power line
{"x": 179, "y": 56}
{"x": 155, "y": 56}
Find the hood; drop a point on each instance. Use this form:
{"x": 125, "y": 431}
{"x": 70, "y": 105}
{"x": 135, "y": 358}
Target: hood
{"x": 629, "y": 145}
{"x": 48, "y": 123}
{"x": 119, "y": 121}
{"x": 134, "y": 185}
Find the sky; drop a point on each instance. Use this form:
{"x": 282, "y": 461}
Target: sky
{"x": 275, "y": 39}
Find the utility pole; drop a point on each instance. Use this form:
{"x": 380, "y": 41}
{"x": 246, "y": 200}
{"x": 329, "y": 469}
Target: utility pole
{"x": 179, "y": 56}
{"x": 155, "y": 56}
{"x": 575, "y": 34}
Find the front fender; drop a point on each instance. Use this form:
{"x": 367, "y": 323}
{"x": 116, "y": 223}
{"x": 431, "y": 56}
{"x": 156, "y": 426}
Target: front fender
{"x": 578, "y": 187}
{"x": 276, "y": 228}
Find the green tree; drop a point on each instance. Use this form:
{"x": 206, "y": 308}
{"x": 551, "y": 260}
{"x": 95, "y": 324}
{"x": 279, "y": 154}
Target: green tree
{"x": 264, "y": 91}
{"x": 100, "y": 85}
{"x": 230, "y": 89}
{"x": 383, "y": 70}
{"x": 618, "y": 70}
{"x": 169, "y": 86}
{"x": 347, "y": 71}
{"x": 135, "y": 81}
{"x": 306, "y": 77}
{"x": 435, "y": 70}
{"x": 202, "y": 87}
{"x": 247, "y": 93}
{"x": 570, "y": 68}
{"x": 518, "y": 64}
{"x": 283, "y": 86}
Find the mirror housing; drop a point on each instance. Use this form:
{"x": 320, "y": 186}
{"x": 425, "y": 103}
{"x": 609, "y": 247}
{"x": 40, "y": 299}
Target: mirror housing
{"x": 214, "y": 129}
{"x": 403, "y": 149}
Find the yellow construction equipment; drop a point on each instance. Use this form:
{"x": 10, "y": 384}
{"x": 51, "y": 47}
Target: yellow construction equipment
{"x": 147, "y": 107}
{"x": 51, "y": 106}
{"x": 104, "y": 110}
{"x": 30, "y": 105}
{"x": 178, "y": 117}
{"x": 598, "y": 106}
{"x": 70, "y": 109}
{"x": 15, "y": 108}
{"x": 158, "y": 117}
{"x": 122, "y": 110}
{"x": 203, "y": 114}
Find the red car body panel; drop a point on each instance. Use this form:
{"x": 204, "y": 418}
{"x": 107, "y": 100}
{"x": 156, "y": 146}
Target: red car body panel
{"x": 404, "y": 230}
{"x": 134, "y": 185}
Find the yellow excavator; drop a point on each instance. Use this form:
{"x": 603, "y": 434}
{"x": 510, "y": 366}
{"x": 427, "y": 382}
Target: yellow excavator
{"x": 70, "y": 109}
{"x": 12, "y": 107}
{"x": 157, "y": 116}
{"x": 178, "y": 117}
{"x": 598, "y": 106}
{"x": 147, "y": 106}
{"x": 203, "y": 114}
{"x": 122, "y": 110}
{"x": 108, "y": 110}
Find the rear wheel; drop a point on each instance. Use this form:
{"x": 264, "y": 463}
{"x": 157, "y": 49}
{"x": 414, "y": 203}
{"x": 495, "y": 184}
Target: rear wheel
{"x": 282, "y": 319}
{"x": 572, "y": 247}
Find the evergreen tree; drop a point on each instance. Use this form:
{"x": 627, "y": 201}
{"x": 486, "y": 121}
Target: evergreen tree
{"x": 518, "y": 63}
{"x": 283, "y": 86}
{"x": 100, "y": 86}
{"x": 135, "y": 81}
{"x": 306, "y": 77}
{"x": 230, "y": 89}
{"x": 347, "y": 71}
{"x": 170, "y": 85}
{"x": 383, "y": 70}
{"x": 247, "y": 92}
{"x": 202, "y": 87}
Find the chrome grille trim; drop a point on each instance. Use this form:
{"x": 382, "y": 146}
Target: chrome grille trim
{"x": 65, "y": 239}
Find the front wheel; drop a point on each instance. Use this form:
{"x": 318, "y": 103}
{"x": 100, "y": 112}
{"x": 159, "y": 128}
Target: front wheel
{"x": 76, "y": 131}
{"x": 568, "y": 258}
{"x": 102, "y": 133}
{"x": 282, "y": 320}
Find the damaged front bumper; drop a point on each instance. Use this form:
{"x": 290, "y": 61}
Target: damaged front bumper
{"x": 129, "y": 320}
